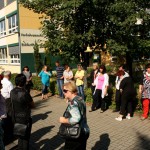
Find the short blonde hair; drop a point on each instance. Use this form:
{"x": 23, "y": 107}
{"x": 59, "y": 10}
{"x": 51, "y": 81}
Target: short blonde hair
{"x": 7, "y": 73}
{"x": 96, "y": 64}
{"x": 71, "y": 86}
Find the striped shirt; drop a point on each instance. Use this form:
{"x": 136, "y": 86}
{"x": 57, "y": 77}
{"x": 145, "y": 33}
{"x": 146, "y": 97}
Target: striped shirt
{"x": 59, "y": 71}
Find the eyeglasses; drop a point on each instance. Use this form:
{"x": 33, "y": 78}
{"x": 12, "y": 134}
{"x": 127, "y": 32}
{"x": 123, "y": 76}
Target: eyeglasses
{"x": 65, "y": 91}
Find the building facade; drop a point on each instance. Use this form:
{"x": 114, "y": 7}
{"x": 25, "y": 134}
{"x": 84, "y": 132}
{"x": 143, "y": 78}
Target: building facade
{"x": 19, "y": 29}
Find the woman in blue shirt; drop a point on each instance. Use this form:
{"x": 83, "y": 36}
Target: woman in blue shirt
{"x": 45, "y": 78}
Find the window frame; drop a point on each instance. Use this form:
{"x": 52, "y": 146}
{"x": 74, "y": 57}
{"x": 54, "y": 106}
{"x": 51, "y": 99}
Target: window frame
{"x": 2, "y": 30}
{"x": 3, "y": 54}
{"x": 14, "y": 60}
{"x": 12, "y": 24}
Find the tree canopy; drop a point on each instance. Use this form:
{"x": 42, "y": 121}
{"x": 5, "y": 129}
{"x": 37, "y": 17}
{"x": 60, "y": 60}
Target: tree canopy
{"x": 71, "y": 25}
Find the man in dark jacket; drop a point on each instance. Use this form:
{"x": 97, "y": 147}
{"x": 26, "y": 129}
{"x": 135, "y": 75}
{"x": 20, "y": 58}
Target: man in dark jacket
{"x": 93, "y": 76}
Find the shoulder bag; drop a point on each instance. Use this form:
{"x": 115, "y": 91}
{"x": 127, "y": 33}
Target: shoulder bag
{"x": 19, "y": 128}
{"x": 68, "y": 131}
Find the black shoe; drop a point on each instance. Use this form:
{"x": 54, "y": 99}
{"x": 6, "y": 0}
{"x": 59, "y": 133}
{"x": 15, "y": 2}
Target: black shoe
{"x": 115, "y": 110}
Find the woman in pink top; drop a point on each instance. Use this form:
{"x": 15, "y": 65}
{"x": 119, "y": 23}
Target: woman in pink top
{"x": 101, "y": 85}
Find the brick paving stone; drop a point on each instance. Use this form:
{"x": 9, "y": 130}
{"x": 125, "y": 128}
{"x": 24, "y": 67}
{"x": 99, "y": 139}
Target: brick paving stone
{"x": 106, "y": 133}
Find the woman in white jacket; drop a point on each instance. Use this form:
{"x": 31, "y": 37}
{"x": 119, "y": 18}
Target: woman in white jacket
{"x": 101, "y": 85}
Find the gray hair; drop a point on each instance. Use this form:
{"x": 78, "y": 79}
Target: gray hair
{"x": 7, "y": 73}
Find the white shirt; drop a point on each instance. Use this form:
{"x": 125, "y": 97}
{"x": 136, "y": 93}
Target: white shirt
{"x": 6, "y": 88}
{"x": 118, "y": 81}
{"x": 67, "y": 74}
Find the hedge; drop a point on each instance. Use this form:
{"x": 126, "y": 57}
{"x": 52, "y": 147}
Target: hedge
{"x": 53, "y": 86}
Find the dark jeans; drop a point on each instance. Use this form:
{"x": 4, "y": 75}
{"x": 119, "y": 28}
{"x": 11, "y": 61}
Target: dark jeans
{"x": 118, "y": 100}
{"x": 81, "y": 91}
{"x": 44, "y": 89}
{"x": 23, "y": 141}
{"x": 60, "y": 88}
{"x": 126, "y": 104}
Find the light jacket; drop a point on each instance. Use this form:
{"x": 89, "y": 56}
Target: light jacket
{"x": 106, "y": 83}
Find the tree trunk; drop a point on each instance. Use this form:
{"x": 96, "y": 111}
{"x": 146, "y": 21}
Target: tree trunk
{"x": 129, "y": 62}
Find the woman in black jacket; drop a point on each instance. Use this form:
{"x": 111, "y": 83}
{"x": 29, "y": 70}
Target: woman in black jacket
{"x": 127, "y": 91}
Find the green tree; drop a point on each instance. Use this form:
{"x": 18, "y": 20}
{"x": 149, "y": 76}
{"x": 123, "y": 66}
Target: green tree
{"x": 129, "y": 36}
{"x": 71, "y": 25}
{"x": 37, "y": 58}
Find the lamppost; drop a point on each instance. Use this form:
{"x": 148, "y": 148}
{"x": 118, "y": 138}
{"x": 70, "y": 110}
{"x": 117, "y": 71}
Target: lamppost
{"x": 96, "y": 52}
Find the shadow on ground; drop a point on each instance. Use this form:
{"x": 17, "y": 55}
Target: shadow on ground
{"x": 45, "y": 144}
{"x": 103, "y": 143}
{"x": 143, "y": 142}
{"x": 37, "y": 117}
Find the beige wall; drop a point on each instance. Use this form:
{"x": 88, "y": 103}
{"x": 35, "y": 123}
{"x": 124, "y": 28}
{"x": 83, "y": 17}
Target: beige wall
{"x": 28, "y": 38}
{"x": 29, "y": 19}
{"x": 12, "y": 68}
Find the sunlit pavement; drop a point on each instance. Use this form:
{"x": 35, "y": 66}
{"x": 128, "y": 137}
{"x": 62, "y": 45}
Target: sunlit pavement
{"x": 106, "y": 132}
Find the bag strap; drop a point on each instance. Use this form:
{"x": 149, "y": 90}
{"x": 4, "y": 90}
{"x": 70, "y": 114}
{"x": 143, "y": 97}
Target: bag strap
{"x": 79, "y": 109}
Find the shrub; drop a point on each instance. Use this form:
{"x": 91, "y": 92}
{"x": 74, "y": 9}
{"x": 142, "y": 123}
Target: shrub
{"x": 88, "y": 94}
{"x": 13, "y": 78}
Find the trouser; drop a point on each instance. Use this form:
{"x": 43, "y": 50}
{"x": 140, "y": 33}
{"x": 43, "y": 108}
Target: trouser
{"x": 44, "y": 89}
{"x": 76, "y": 144}
{"x": 98, "y": 101}
{"x": 145, "y": 103}
{"x": 23, "y": 141}
{"x": 1, "y": 137}
{"x": 7, "y": 126}
{"x": 118, "y": 100}
{"x": 60, "y": 88}
{"x": 126, "y": 105}
{"x": 81, "y": 91}
{"x": 92, "y": 89}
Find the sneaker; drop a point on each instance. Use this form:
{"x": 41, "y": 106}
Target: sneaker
{"x": 143, "y": 118}
{"x": 128, "y": 117}
{"x": 118, "y": 119}
{"x": 101, "y": 111}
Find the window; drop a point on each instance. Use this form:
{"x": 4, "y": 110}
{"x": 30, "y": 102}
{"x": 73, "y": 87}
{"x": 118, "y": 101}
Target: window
{"x": 3, "y": 55}
{"x": 1, "y": 4}
{"x": 15, "y": 58}
{"x": 2, "y": 28}
{"x": 13, "y": 23}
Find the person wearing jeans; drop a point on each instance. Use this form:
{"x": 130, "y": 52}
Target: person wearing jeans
{"x": 60, "y": 78}
{"x": 60, "y": 85}
{"x": 79, "y": 76}
{"x": 45, "y": 79}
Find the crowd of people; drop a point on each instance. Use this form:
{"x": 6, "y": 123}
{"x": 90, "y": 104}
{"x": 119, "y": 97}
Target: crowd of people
{"x": 16, "y": 102}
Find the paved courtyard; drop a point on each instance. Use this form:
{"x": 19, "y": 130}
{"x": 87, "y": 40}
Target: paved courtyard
{"x": 106, "y": 132}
